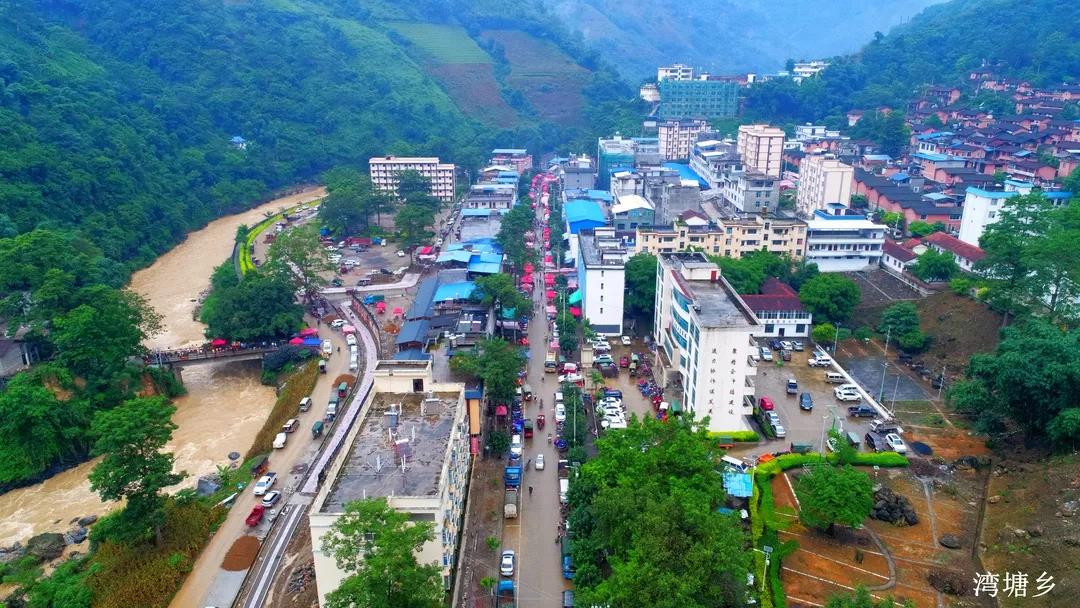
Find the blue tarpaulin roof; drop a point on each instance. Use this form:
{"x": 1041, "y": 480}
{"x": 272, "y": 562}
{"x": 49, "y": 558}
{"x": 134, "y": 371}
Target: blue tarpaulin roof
{"x": 599, "y": 195}
{"x": 485, "y": 267}
{"x": 685, "y": 172}
{"x": 422, "y": 304}
{"x": 581, "y": 213}
{"x": 312, "y": 342}
{"x": 738, "y": 485}
{"x": 413, "y": 331}
{"x": 412, "y": 354}
{"x": 455, "y": 256}
{"x": 454, "y": 291}
{"x": 899, "y": 177}
{"x": 476, "y": 212}
{"x": 479, "y": 245}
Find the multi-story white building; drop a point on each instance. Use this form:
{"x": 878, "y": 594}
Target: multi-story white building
{"x": 711, "y": 158}
{"x": 806, "y": 69}
{"x": 822, "y": 180}
{"x": 601, "y": 270}
{"x": 385, "y": 169}
{"x": 674, "y": 72}
{"x": 729, "y": 236}
{"x": 518, "y": 158}
{"x": 982, "y": 207}
{"x": 705, "y": 335}
{"x": 750, "y": 192}
{"x": 843, "y": 243}
{"x": 409, "y": 445}
{"x": 761, "y": 148}
{"x": 781, "y": 313}
{"x": 677, "y": 137}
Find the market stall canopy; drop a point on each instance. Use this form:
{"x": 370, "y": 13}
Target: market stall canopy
{"x": 500, "y": 410}
{"x": 574, "y": 310}
{"x": 550, "y": 294}
{"x": 574, "y": 297}
{"x": 380, "y": 306}
{"x": 308, "y": 331}
{"x": 218, "y": 342}
{"x": 551, "y": 310}
{"x": 398, "y": 311}
{"x": 293, "y": 341}
{"x": 549, "y": 280}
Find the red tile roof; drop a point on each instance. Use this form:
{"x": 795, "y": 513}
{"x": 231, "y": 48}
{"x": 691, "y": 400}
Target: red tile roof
{"x": 898, "y": 251}
{"x": 955, "y": 246}
{"x": 775, "y": 296}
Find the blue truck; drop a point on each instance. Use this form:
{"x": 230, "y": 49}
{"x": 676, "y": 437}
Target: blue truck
{"x": 504, "y": 595}
{"x": 512, "y": 476}
{"x": 567, "y": 559}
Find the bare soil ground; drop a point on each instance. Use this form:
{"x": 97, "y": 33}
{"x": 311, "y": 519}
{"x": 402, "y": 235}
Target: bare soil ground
{"x": 295, "y": 587}
{"x": 241, "y": 554}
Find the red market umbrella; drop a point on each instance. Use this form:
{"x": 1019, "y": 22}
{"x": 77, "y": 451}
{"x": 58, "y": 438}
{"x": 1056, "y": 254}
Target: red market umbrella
{"x": 549, "y": 280}
{"x": 380, "y": 307}
{"x": 398, "y": 311}
{"x": 221, "y": 342}
{"x": 528, "y": 267}
{"x": 574, "y": 310}
{"x": 550, "y": 294}
{"x": 294, "y": 341}
{"x": 308, "y": 331}
{"x": 500, "y": 410}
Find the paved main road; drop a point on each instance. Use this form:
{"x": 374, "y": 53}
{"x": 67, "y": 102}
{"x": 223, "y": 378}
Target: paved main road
{"x": 539, "y": 574}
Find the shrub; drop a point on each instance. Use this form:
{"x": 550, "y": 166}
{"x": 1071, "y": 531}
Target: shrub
{"x": 736, "y": 436}
{"x": 296, "y": 388}
{"x": 787, "y": 461}
{"x": 864, "y": 333}
{"x": 914, "y": 341}
{"x": 962, "y": 286}
{"x": 880, "y": 459}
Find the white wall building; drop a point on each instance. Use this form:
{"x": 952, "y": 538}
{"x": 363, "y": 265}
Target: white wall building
{"x": 410, "y": 445}
{"x": 843, "y": 243}
{"x": 601, "y": 270}
{"x": 384, "y": 170}
{"x": 761, "y": 148}
{"x": 982, "y": 207}
{"x": 677, "y": 137}
{"x": 674, "y": 72}
{"x": 705, "y": 333}
{"x": 822, "y": 180}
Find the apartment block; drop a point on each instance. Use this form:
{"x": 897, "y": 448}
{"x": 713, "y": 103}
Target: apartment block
{"x": 750, "y": 192}
{"x": 838, "y": 242}
{"x": 409, "y": 444}
{"x": 822, "y": 180}
{"x": 674, "y": 72}
{"x": 733, "y": 237}
{"x": 677, "y": 137}
{"x": 711, "y": 158}
{"x": 705, "y": 335}
{"x": 601, "y": 271}
{"x": 384, "y": 172}
{"x": 761, "y": 148}
{"x": 517, "y": 158}
{"x": 706, "y": 99}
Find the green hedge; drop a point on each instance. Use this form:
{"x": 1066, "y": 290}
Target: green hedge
{"x": 879, "y": 459}
{"x": 736, "y": 436}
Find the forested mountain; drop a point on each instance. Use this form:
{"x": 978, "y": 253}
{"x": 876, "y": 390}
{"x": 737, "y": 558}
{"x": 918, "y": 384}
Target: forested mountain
{"x": 1036, "y": 40}
{"x": 116, "y": 116}
{"x": 724, "y": 36}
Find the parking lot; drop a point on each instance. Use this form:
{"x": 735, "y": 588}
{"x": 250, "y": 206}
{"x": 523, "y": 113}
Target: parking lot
{"x": 806, "y": 427}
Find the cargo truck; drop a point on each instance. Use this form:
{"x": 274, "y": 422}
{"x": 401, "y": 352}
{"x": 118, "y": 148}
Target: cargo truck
{"x": 512, "y": 476}
{"x": 511, "y": 503}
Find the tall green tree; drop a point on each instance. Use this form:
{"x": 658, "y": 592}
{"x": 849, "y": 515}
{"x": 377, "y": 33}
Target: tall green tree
{"x": 261, "y": 306}
{"x": 934, "y": 265}
{"x": 496, "y": 362}
{"x": 830, "y": 297}
{"x": 899, "y": 319}
{"x": 376, "y": 547}
{"x": 96, "y": 338}
{"x": 500, "y": 291}
{"x": 639, "y": 300}
{"x": 38, "y": 428}
{"x": 647, "y": 503}
{"x": 297, "y": 253}
{"x": 133, "y": 467}
{"x": 413, "y": 221}
{"x": 830, "y": 495}
{"x": 515, "y": 224}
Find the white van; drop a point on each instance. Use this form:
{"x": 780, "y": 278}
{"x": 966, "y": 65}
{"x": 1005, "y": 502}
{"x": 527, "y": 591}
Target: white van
{"x": 327, "y": 347}
{"x": 353, "y": 352}
{"x": 305, "y": 404}
{"x": 331, "y": 409}
{"x": 835, "y": 378}
{"x": 564, "y": 489}
{"x": 516, "y": 448}
{"x": 279, "y": 441}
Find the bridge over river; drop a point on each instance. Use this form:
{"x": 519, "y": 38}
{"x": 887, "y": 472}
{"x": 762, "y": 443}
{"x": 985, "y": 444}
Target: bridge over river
{"x": 177, "y": 359}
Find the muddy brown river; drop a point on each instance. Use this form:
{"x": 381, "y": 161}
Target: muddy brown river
{"x": 225, "y": 404}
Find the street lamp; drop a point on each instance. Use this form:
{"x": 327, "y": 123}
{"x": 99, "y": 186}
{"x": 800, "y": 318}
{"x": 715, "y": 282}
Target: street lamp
{"x": 767, "y": 550}
{"x": 824, "y": 419}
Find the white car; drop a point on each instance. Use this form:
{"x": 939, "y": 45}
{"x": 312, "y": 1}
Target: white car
{"x": 613, "y": 424}
{"x": 785, "y": 345}
{"x": 400, "y": 253}
{"x": 506, "y": 564}
{"x": 350, "y": 340}
{"x": 571, "y": 378}
{"x": 560, "y": 412}
{"x": 327, "y": 347}
{"x": 895, "y": 443}
{"x": 625, "y": 340}
{"x": 755, "y": 355}
{"x": 270, "y": 498}
{"x": 846, "y": 395}
{"x": 819, "y": 361}
{"x": 538, "y": 463}
{"x": 336, "y": 323}
{"x": 265, "y": 483}
{"x": 516, "y": 448}
{"x": 780, "y": 431}
{"x": 766, "y": 354}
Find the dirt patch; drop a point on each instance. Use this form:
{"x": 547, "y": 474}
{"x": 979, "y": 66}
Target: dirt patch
{"x": 960, "y": 327}
{"x": 474, "y": 89}
{"x": 294, "y": 586}
{"x": 241, "y": 554}
{"x": 346, "y": 378}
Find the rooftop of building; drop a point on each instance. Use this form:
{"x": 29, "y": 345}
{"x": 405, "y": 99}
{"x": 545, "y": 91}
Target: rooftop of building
{"x": 775, "y": 296}
{"x": 715, "y": 303}
{"x": 825, "y": 221}
{"x": 954, "y": 245}
{"x": 629, "y": 202}
{"x": 406, "y": 159}
{"x": 601, "y": 248}
{"x": 479, "y": 227}
{"x": 510, "y": 151}
{"x": 898, "y": 251}
{"x": 413, "y": 428}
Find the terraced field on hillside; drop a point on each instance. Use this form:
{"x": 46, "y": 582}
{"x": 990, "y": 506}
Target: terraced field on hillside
{"x": 549, "y": 79}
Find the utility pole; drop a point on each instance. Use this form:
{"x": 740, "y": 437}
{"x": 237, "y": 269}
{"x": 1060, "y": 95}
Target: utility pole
{"x": 884, "y": 366}
{"x": 835, "y": 339}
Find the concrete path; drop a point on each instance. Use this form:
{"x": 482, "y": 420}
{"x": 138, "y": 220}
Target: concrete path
{"x": 409, "y": 280}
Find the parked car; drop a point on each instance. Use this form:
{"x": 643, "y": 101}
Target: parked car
{"x": 895, "y": 443}
{"x": 806, "y": 402}
{"x": 819, "y": 361}
{"x": 785, "y": 355}
{"x": 270, "y": 498}
{"x": 798, "y": 346}
{"x": 400, "y": 253}
{"x": 624, "y": 361}
{"x": 774, "y": 344}
{"x": 560, "y": 412}
{"x": 766, "y": 404}
{"x": 830, "y": 443}
{"x": 571, "y": 378}
{"x": 625, "y": 340}
{"x": 843, "y": 394}
{"x": 861, "y": 411}
{"x": 755, "y": 355}
{"x": 773, "y": 418}
{"x": 780, "y": 431}
{"x": 766, "y": 354}
{"x": 785, "y": 345}
{"x": 506, "y": 564}
{"x": 538, "y": 462}
{"x": 516, "y": 447}
{"x": 265, "y": 483}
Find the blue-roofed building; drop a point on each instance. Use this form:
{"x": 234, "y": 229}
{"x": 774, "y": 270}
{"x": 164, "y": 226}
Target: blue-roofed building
{"x": 738, "y": 485}
{"x": 450, "y": 292}
{"x": 982, "y": 206}
{"x": 425, "y": 293}
{"x": 581, "y": 213}
{"x": 686, "y": 173}
{"x": 413, "y": 335}
{"x": 412, "y": 354}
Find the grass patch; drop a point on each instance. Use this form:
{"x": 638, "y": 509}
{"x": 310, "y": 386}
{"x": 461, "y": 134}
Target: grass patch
{"x": 736, "y": 436}
{"x": 246, "y": 263}
{"x": 442, "y": 43}
{"x": 296, "y": 388}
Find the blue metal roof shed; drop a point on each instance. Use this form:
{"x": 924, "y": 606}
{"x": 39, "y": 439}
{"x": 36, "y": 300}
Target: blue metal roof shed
{"x": 581, "y": 214}
{"x": 413, "y": 332}
{"x": 454, "y": 291}
{"x": 422, "y": 304}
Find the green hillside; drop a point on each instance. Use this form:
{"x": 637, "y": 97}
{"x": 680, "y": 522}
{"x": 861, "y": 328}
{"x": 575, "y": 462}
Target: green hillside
{"x": 1036, "y": 40}
{"x": 116, "y": 117}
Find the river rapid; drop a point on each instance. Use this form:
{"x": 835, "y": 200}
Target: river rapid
{"x": 225, "y": 404}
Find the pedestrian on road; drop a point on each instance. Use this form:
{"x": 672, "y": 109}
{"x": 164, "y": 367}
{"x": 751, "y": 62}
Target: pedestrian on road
{"x": 530, "y": 490}
{"x": 527, "y": 463}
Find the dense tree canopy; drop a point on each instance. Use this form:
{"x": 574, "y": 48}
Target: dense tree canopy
{"x": 376, "y": 546}
{"x": 830, "y": 297}
{"x": 933, "y": 265}
{"x": 496, "y": 362}
{"x": 830, "y": 495}
{"x": 511, "y": 236}
{"x": 640, "y": 299}
{"x": 646, "y": 530}
{"x": 259, "y": 307}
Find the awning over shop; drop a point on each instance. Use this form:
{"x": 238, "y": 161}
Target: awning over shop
{"x": 574, "y": 297}
{"x": 398, "y": 311}
{"x": 549, "y": 280}
{"x": 551, "y": 310}
{"x": 308, "y": 331}
{"x": 294, "y": 341}
{"x": 550, "y": 294}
